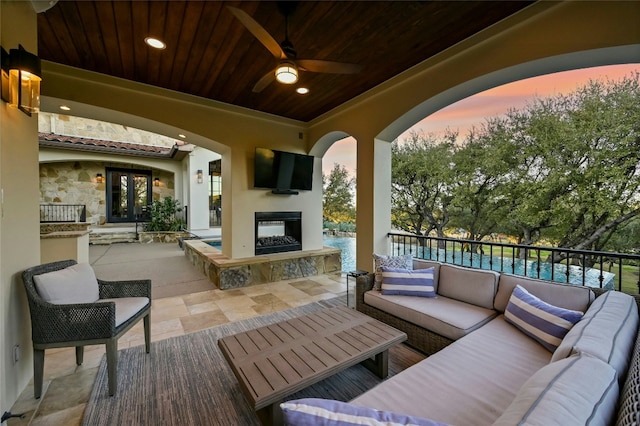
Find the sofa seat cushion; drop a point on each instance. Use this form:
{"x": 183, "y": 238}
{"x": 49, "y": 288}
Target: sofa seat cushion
{"x": 475, "y": 286}
{"x": 579, "y": 390}
{"x": 470, "y": 382}
{"x": 447, "y": 317}
{"x": 126, "y": 307}
{"x": 607, "y": 331}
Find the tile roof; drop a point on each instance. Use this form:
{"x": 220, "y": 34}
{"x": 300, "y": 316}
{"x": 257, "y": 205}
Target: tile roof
{"x": 53, "y": 140}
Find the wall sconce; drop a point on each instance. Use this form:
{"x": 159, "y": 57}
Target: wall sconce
{"x": 21, "y": 77}
{"x": 199, "y": 175}
{"x": 156, "y": 181}
{"x": 99, "y": 178}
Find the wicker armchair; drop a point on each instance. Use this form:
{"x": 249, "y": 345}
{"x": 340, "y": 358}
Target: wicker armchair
{"x": 81, "y": 324}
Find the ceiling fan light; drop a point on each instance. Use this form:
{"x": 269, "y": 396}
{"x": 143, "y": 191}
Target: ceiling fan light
{"x": 287, "y": 73}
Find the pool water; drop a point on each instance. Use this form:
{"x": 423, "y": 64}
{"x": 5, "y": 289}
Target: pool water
{"x": 348, "y": 247}
{"x": 557, "y": 272}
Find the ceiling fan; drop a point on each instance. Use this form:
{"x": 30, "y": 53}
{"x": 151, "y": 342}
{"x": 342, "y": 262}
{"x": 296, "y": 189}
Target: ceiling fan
{"x": 288, "y": 65}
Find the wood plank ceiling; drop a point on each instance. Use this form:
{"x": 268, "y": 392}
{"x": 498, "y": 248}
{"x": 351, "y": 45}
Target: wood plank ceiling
{"x": 211, "y": 54}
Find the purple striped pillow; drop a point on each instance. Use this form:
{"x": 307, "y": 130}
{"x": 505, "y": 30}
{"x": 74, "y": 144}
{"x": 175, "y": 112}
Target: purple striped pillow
{"x": 408, "y": 282}
{"x": 539, "y": 320}
{"x": 327, "y": 412}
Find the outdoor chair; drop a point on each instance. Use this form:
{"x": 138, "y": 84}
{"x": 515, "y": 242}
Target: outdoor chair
{"x": 70, "y": 307}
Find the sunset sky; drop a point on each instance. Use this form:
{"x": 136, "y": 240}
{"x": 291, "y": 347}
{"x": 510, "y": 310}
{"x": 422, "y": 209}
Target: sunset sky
{"x": 473, "y": 110}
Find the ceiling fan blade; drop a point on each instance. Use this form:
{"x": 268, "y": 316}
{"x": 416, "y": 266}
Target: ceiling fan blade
{"x": 260, "y": 33}
{"x": 266, "y": 80}
{"x": 316, "y": 65}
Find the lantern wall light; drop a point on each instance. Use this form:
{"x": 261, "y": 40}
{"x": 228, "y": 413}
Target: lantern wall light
{"x": 200, "y": 176}
{"x": 21, "y": 77}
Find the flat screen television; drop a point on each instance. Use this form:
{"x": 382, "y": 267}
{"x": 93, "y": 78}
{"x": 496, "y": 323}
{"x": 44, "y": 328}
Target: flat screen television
{"x": 283, "y": 171}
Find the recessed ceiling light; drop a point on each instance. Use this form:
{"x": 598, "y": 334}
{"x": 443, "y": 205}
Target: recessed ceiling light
{"x": 302, "y": 90}
{"x": 65, "y": 108}
{"x": 155, "y": 43}
{"x": 182, "y": 136}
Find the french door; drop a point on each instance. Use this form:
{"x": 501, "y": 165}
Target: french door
{"x": 128, "y": 195}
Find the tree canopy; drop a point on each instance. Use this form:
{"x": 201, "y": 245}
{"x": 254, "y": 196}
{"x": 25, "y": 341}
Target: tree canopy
{"x": 564, "y": 169}
{"x": 337, "y": 201}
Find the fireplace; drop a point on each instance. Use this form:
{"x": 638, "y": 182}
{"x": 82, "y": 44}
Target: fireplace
{"x": 278, "y": 232}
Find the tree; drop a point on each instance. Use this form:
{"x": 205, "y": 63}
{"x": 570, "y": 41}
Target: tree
{"x": 337, "y": 199}
{"x": 586, "y": 148}
{"x": 565, "y": 169}
{"x": 421, "y": 183}
{"x": 480, "y": 172}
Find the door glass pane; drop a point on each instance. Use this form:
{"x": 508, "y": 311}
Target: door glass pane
{"x": 140, "y": 200}
{"x": 119, "y": 195}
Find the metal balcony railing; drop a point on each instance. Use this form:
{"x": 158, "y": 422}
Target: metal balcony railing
{"x": 606, "y": 270}
{"x": 63, "y": 213}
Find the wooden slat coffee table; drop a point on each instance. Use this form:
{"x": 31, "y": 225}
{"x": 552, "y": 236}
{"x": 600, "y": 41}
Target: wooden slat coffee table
{"x": 274, "y": 361}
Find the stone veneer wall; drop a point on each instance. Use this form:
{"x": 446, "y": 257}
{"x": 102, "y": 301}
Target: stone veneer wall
{"x": 75, "y": 183}
{"x": 226, "y": 274}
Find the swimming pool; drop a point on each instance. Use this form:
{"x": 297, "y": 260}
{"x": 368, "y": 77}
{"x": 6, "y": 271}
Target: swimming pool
{"x": 556, "y": 272}
{"x": 348, "y": 247}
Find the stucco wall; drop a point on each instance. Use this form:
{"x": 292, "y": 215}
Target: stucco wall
{"x": 19, "y": 223}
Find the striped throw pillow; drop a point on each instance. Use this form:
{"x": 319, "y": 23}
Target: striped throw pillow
{"x": 408, "y": 282}
{"x": 327, "y": 412}
{"x": 379, "y": 260}
{"x": 541, "y": 321}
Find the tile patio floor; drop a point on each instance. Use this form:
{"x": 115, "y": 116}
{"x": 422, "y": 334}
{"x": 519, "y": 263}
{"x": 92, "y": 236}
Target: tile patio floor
{"x": 183, "y": 301}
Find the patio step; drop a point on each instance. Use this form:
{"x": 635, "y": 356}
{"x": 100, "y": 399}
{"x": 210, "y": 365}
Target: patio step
{"x": 113, "y": 234}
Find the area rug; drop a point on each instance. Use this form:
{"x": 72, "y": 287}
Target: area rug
{"x": 185, "y": 380}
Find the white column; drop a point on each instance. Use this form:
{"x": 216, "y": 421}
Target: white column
{"x": 197, "y": 199}
{"x": 373, "y": 217}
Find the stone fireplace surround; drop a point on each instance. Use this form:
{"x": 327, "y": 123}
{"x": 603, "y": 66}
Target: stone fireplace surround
{"x": 290, "y": 222}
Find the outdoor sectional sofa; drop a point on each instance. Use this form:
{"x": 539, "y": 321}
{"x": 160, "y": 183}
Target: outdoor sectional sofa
{"x": 482, "y": 369}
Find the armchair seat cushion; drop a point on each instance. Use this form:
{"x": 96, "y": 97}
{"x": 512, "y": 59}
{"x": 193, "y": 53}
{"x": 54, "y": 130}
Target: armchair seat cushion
{"x": 126, "y": 307}
{"x": 73, "y": 284}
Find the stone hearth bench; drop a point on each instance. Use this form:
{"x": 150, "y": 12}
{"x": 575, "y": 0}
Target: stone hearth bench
{"x": 484, "y": 370}
{"x": 226, "y": 273}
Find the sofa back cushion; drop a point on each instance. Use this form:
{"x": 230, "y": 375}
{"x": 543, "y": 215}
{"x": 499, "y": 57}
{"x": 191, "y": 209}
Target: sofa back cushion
{"x": 578, "y": 390}
{"x": 475, "y": 286}
{"x": 564, "y": 296}
{"x": 74, "y": 284}
{"x": 425, "y": 264}
{"x": 607, "y": 331}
